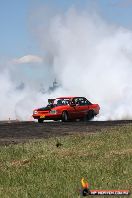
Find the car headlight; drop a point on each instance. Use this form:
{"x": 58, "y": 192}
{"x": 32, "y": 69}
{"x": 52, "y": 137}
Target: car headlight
{"x": 53, "y": 112}
{"x": 35, "y": 112}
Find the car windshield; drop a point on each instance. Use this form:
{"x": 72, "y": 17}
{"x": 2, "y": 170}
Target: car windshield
{"x": 62, "y": 101}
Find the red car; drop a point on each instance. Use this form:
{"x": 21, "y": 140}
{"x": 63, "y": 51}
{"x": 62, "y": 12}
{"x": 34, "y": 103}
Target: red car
{"x": 66, "y": 109}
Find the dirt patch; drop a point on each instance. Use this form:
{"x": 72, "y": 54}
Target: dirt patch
{"x": 20, "y": 132}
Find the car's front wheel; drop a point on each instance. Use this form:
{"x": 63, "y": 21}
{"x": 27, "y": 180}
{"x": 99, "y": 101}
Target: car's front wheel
{"x": 40, "y": 120}
{"x": 65, "y": 116}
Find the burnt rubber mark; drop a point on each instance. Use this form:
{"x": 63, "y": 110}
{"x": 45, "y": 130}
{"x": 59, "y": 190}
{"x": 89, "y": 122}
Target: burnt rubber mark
{"x": 19, "y": 132}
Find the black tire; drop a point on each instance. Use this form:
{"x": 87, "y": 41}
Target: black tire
{"x": 40, "y": 120}
{"x": 65, "y": 116}
{"x": 90, "y": 115}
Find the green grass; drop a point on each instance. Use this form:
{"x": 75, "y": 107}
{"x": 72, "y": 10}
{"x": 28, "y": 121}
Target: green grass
{"x": 40, "y": 169}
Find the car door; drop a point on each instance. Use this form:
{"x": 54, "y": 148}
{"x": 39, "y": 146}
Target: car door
{"x": 82, "y": 107}
{"x": 73, "y": 110}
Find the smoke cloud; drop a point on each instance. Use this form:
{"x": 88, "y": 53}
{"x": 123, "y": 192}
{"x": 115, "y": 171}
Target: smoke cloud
{"x": 28, "y": 59}
{"x": 88, "y": 56}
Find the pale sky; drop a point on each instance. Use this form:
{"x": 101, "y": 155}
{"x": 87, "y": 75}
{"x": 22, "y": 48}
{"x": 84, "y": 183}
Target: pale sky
{"x": 16, "y": 39}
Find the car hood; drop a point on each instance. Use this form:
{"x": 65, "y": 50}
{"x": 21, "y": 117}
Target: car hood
{"x": 48, "y": 108}
{"x": 44, "y": 108}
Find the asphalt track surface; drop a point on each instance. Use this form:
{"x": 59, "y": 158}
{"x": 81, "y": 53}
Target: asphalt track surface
{"x": 20, "y": 132}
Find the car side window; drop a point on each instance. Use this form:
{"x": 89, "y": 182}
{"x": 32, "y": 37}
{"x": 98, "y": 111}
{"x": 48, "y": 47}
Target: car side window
{"x": 79, "y": 101}
{"x": 82, "y": 102}
{"x": 76, "y": 101}
{"x": 87, "y": 102}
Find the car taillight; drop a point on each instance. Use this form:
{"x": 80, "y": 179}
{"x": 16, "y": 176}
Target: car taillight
{"x": 35, "y": 112}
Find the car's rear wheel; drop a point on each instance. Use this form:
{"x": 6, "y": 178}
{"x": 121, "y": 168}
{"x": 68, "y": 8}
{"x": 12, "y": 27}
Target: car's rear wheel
{"x": 90, "y": 115}
{"x": 40, "y": 120}
{"x": 65, "y": 116}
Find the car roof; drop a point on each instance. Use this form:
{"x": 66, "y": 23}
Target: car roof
{"x": 70, "y": 97}
{"x": 67, "y": 97}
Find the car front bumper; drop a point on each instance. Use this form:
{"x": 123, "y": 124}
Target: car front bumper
{"x": 47, "y": 116}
